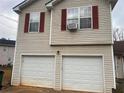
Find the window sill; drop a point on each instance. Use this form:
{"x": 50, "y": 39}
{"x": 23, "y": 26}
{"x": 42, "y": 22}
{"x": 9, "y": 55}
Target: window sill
{"x": 85, "y": 29}
{"x": 33, "y": 32}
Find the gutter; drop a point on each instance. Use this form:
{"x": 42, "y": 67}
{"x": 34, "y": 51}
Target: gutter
{"x": 113, "y": 3}
{"x": 49, "y": 5}
{"x": 22, "y": 5}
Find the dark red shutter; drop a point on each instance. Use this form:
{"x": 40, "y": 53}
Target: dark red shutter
{"x": 95, "y": 17}
{"x": 42, "y": 21}
{"x": 26, "y": 26}
{"x": 63, "y": 19}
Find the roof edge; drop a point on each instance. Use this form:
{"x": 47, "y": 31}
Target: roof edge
{"x": 113, "y": 3}
{"x": 49, "y": 4}
{"x": 21, "y": 5}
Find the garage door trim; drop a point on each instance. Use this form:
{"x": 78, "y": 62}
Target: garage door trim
{"x": 83, "y": 55}
{"x": 22, "y": 55}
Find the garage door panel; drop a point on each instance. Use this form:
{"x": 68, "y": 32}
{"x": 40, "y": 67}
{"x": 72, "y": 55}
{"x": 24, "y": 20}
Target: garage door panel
{"x": 83, "y": 76}
{"x": 85, "y": 88}
{"x": 38, "y": 79}
{"x": 83, "y": 82}
{"x": 38, "y": 83}
{"x": 36, "y": 76}
{"x": 37, "y": 71}
{"x": 83, "y": 73}
{"x": 45, "y": 74}
{"x": 33, "y": 66}
{"x": 85, "y": 85}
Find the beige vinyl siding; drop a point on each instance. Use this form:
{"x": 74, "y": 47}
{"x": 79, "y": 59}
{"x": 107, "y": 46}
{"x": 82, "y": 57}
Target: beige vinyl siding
{"x": 85, "y": 50}
{"x": 38, "y": 43}
{"x": 6, "y": 53}
{"x": 84, "y": 36}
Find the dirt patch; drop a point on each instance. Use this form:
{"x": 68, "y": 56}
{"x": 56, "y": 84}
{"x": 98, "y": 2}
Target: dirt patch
{"x": 119, "y": 86}
{"x": 23, "y": 89}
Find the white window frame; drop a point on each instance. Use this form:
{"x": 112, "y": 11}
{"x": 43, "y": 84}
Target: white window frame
{"x": 81, "y": 17}
{"x": 38, "y": 24}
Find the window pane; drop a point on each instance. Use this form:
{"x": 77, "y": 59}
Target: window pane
{"x": 34, "y": 17}
{"x": 85, "y": 23}
{"x": 72, "y": 13}
{"x": 85, "y": 12}
{"x": 34, "y": 21}
{"x": 70, "y": 21}
{"x": 34, "y": 27}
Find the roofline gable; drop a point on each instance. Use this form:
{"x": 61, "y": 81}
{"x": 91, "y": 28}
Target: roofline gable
{"x": 18, "y": 8}
{"x": 5, "y": 42}
{"x": 113, "y": 3}
{"x": 49, "y": 5}
{"x": 52, "y": 3}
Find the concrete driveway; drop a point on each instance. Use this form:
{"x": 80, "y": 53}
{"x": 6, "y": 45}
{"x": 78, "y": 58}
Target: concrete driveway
{"x": 23, "y": 89}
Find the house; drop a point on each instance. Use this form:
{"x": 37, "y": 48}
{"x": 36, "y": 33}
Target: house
{"x": 119, "y": 59}
{"x": 65, "y": 45}
{"x": 7, "y": 48}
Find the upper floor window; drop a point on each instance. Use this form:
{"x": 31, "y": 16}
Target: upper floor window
{"x": 34, "y": 22}
{"x": 81, "y": 16}
{"x": 72, "y": 15}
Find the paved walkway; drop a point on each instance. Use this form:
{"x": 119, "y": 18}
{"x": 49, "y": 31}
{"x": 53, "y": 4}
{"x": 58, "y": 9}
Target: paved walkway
{"x": 23, "y": 89}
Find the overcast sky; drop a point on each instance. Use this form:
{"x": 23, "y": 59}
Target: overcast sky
{"x": 9, "y": 19}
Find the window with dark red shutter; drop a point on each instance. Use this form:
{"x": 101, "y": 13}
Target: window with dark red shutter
{"x": 42, "y": 21}
{"x": 34, "y": 21}
{"x": 95, "y": 17}
{"x": 63, "y": 20}
{"x": 26, "y": 26}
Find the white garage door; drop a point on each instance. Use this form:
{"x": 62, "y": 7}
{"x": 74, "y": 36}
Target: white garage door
{"x": 38, "y": 71}
{"x": 83, "y": 74}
